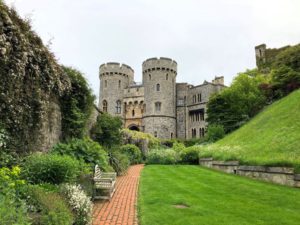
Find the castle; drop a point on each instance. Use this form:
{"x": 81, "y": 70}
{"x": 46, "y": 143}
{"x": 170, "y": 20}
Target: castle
{"x": 158, "y": 105}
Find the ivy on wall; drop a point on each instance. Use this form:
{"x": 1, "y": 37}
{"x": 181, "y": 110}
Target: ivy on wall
{"x": 30, "y": 79}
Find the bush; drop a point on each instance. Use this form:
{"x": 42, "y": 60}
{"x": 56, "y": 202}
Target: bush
{"x": 215, "y": 132}
{"x": 120, "y": 162}
{"x": 163, "y": 156}
{"x": 190, "y": 155}
{"x": 50, "y": 168}
{"x": 12, "y": 213}
{"x": 48, "y": 207}
{"x": 132, "y": 152}
{"x": 84, "y": 149}
{"x": 79, "y": 202}
{"x": 193, "y": 141}
{"x": 12, "y": 208}
{"x": 106, "y": 131}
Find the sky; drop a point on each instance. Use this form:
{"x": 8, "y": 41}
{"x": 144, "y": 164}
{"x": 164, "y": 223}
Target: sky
{"x": 207, "y": 38}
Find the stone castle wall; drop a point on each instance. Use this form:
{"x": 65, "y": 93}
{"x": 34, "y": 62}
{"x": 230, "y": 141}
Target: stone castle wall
{"x": 159, "y": 80}
{"x": 172, "y": 118}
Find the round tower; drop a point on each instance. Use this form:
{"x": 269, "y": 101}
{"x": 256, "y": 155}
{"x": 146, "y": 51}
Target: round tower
{"x": 114, "y": 78}
{"x": 159, "y": 80}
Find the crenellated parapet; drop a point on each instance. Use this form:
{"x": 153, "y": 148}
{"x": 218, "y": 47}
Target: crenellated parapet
{"x": 114, "y": 68}
{"x": 160, "y": 64}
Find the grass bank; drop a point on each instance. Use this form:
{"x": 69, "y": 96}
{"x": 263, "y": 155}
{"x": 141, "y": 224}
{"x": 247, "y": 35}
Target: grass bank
{"x": 271, "y": 138}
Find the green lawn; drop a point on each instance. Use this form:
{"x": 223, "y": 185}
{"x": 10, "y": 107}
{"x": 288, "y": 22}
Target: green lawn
{"x": 213, "y": 198}
{"x": 270, "y": 138}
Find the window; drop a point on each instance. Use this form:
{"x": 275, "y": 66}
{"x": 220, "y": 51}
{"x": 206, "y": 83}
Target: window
{"x": 118, "y": 107}
{"x": 133, "y": 113}
{"x": 104, "y": 103}
{"x": 157, "y": 106}
{"x": 149, "y": 76}
{"x": 155, "y": 133}
{"x": 167, "y": 76}
{"x": 194, "y": 98}
{"x": 194, "y": 133}
{"x": 201, "y": 132}
{"x": 171, "y": 135}
{"x": 157, "y": 87}
{"x": 119, "y": 84}
{"x": 199, "y": 98}
{"x": 105, "y": 83}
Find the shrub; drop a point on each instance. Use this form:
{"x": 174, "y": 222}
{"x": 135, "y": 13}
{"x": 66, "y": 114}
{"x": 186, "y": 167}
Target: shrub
{"x": 120, "y": 162}
{"x": 50, "y": 168}
{"x": 193, "y": 141}
{"x": 84, "y": 149}
{"x": 215, "y": 132}
{"x": 190, "y": 155}
{"x": 12, "y": 213}
{"x": 106, "y": 131}
{"x": 12, "y": 208}
{"x": 136, "y": 137}
{"x": 132, "y": 152}
{"x": 163, "y": 156}
{"x": 48, "y": 206}
{"x": 79, "y": 202}
{"x": 178, "y": 147}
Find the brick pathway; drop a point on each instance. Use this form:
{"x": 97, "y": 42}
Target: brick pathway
{"x": 122, "y": 207}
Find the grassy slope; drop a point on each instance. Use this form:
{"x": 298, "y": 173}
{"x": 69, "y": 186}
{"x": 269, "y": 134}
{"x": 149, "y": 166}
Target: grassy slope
{"x": 214, "y": 198}
{"x": 271, "y": 138}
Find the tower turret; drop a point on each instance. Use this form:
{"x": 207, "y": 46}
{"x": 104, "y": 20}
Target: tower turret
{"x": 114, "y": 77}
{"x": 159, "y": 80}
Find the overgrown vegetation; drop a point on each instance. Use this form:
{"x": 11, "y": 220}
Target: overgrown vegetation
{"x": 32, "y": 80}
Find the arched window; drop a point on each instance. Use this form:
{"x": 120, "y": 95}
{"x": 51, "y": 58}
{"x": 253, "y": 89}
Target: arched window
{"x": 171, "y": 135}
{"x": 167, "y": 76}
{"x": 119, "y": 84}
{"x": 104, "y": 103}
{"x": 203, "y": 132}
{"x": 199, "y": 97}
{"x": 157, "y": 106}
{"x": 105, "y": 83}
{"x": 149, "y": 76}
{"x": 157, "y": 87}
{"x": 155, "y": 133}
{"x": 118, "y": 107}
{"x": 133, "y": 113}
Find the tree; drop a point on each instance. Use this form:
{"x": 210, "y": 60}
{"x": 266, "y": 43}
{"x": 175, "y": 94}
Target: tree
{"x": 286, "y": 72}
{"x": 236, "y": 104}
{"x": 107, "y": 130}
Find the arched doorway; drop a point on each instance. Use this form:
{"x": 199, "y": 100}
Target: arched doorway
{"x": 133, "y": 127}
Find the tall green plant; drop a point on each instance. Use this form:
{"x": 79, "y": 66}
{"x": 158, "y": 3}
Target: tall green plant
{"x": 77, "y": 105}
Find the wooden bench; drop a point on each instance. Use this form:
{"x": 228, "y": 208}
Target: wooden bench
{"x": 104, "y": 182}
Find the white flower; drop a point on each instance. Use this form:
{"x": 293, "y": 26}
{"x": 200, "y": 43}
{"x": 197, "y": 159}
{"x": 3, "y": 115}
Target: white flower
{"x": 79, "y": 202}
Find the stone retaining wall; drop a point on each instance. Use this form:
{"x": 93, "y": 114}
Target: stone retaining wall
{"x": 279, "y": 175}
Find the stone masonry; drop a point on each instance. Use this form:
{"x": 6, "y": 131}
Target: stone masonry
{"x": 158, "y": 105}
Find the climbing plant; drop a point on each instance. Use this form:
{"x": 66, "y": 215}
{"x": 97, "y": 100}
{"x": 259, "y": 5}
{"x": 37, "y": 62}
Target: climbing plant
{"x": 76, "y": 105}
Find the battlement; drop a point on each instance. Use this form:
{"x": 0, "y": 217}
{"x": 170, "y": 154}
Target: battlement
{"x": 115, "y": 68}
{"x": 161, "y": 63}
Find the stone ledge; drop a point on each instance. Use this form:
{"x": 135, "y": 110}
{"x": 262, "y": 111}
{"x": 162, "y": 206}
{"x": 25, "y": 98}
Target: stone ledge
{"x": 267, "y": 169}
{"x": 297, "y": 177}
{"x": 205, "y": 159}
{"x": 226, "y": 163}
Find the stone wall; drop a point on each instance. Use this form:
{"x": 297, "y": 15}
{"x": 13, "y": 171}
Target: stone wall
{"x": 279, "y": 175}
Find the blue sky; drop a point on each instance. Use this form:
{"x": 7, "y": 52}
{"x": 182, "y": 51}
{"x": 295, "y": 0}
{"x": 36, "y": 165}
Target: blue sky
{"x": 206, "y": 38}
